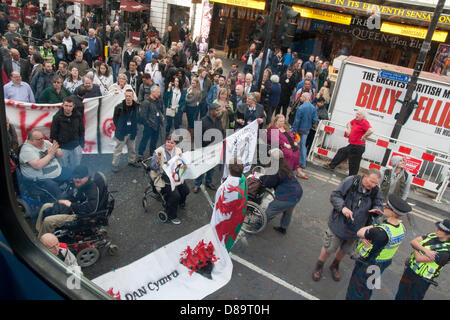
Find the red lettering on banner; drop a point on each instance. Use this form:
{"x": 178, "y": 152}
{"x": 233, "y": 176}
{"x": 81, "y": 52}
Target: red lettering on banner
{"x": 24, "y": 129}
{"x": 88, "y": 146}
{"x": 435, "y": 113}
{"x": 444, "y": 114}
{"x": 394, "y": 96}
{"x": 364, "y": 90}
{"x": 429, "y": 105}
{"x": 384, "y": 100}
{"x": 369, "y": 97}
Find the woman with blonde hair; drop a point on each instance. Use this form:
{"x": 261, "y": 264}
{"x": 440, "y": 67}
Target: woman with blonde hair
{"x": 279, "y": 136}
{"x": 48, "y": 25}
{"x": 226, "y": 108}
{"x": 193, "y": 99}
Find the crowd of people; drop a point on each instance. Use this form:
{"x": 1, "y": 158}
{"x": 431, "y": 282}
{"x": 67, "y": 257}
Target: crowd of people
{"x": 163, "y": 81}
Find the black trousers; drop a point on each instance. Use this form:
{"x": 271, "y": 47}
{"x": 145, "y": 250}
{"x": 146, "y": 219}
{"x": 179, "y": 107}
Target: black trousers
{"x": 174, "y": 198}
{"x": 411, "y": 286}
{"x": 282, "y": 107}
{"x": 354, "y": 154}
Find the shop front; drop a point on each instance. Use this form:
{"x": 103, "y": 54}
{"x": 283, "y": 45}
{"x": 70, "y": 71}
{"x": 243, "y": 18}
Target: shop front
{"x": 330, "y": 28}
{"x": 234, "y": 16}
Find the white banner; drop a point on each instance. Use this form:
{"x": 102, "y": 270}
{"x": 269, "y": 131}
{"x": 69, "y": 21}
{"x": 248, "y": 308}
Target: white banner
{"x": 189, "y": 268}
{"x": 241, "y": 145}
{"x": 28, "y": 116}
{"x": 192, "y": 164}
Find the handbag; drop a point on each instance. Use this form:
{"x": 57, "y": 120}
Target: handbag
{"x": 170, "y": 112}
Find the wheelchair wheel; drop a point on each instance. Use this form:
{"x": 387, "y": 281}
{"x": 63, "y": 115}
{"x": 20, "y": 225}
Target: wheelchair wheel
{"x": 163, "y": 216}
{"x": 87, "y": 257}
{"x": 255, "y": 220}
{"x": 25, "y": 208}
{"x": 112, "y": 250}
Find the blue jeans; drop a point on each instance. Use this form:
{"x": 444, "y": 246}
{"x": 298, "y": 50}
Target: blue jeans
{"x": 175, "y": 121}
{"x": 286, "y": 207}
{"x": 208, "y": 180}
{"x": 192, "y": 115}
{"x": 148, "y": 134}
{"x": 115, "y": 68}
{"x": 303, "y": 152}
{"x": 71, "y": 158}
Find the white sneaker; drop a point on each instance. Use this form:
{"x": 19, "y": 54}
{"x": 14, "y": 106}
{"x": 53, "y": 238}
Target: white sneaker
{"x": 175, "y": 221}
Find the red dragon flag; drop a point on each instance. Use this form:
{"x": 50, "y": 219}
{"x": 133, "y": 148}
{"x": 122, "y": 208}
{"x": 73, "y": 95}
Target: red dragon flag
{"x": 229, "y": 209}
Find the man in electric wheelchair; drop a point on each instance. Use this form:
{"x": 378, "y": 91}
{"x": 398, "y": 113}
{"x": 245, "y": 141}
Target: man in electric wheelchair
{"x": 82, "y": 198}
{"x": 161, "y": 182}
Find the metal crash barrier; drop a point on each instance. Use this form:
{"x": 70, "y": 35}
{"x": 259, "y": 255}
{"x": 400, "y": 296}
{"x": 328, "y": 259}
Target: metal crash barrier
{"x": 429, "y": 168}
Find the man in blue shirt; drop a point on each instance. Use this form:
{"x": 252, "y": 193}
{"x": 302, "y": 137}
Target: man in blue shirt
{"x": 17, "y": 90}
{"x": 305, "y": 117}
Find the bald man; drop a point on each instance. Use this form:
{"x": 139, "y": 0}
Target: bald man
{"x": 18, "y": 90}
{"x": 51, "y": 242}
{"x": 16, "y": 63}
{"x": 358, "y": 130}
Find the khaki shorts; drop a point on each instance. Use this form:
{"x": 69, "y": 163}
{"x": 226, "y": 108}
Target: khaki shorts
{"x": 332, "y": 243}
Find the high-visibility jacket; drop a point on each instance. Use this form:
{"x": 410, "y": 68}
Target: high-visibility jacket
{"x": 395, "y": 235}
{"x": 47, "y": 54}
{"x": 429, "y": 270}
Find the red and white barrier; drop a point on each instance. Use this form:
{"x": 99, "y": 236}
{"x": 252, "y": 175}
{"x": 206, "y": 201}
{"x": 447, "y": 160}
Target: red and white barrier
{"x": 429, "y": 168}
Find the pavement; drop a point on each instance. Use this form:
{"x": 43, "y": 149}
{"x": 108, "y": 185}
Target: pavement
{"x": 267, "y": 265}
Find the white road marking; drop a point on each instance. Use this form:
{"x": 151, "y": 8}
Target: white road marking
{"x": 272, "y": 277}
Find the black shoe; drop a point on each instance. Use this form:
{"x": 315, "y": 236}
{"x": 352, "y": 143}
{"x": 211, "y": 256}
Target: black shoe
{"x": 133, "y": 164}
{"x": 328, "y": 167}
{"x": 212, "y": 187}
{"x": 196, "y": 189}
{"x": 115, "y": 169}
{"x": 280, "y": 229}
{"x": 182, "y": 205}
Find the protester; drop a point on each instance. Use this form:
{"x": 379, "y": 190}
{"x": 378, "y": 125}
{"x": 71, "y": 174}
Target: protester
{"x": 210, "y": 121}
{"x": 81, "y": 198}
{"x": 174, "y": 101}
{"x": 173, "y": 198}
{"x": 115, "y": 57}
{"x": 51, "y": 242}
{"x": 354, "y": 202}
{"x": 18, "y": 90}
{"x": 79, "y": 63}
{"x": 288, "y": 191}
{"x": 42, "y": 80}
{"x": 103, "y": 79}
{"x": 152, "y": 117}
{"x": 68, "y": 130}
{"x": 56, "y": 93}
{"x": 396, "y": 180}
{"x": 358, "y": 130}
{"x": 193, "y": 99}
{"x": 279, "y": 136}
{"x": 125, "y": 121}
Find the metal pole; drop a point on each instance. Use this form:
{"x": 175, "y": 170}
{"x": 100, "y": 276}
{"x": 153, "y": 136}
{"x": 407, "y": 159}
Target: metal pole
{"x": 408, "y": 104}
{"x": 268, "y": 39}
{"x": 104, "y": 31}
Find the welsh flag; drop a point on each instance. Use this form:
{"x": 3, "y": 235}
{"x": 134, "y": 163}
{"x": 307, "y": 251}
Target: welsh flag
{"x": 230, "y": 209}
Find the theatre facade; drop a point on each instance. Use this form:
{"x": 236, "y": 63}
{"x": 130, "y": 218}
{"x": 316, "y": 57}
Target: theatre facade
{"x": 391, "y": 33}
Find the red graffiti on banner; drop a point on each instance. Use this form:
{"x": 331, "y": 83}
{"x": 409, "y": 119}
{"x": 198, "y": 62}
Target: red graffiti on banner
{"x": 23, "y": 127}
{"x": 88, "y": 146}
{"x": 108, "y": 127}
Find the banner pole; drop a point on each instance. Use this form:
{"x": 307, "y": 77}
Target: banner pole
{"x": 99, "y": 133}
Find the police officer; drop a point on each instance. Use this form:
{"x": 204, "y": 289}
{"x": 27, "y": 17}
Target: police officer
{"x": 377, "y": 248}
{"x": 431, "y": 254}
